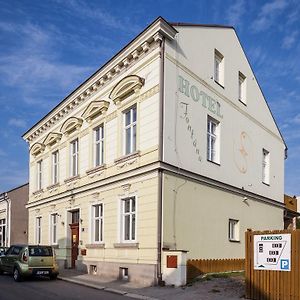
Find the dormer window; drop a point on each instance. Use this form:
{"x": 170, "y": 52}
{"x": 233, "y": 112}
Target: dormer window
{"x": 70, "y": 125}
{"x": 126, "y": 87}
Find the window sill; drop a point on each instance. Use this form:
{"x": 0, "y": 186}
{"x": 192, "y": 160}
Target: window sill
{"x": 73, "y": 178}
{"x": 37, "y": 192}
{"x": 52, "y": 186}
{"x": 126, "y": 245}
{"x": 95, "y": 246}
{"x": 267, "y": 184}
{"x": 214, "y": 162}
{"x": 96, "y": 169}
{"x": 219, "y": 84}
{"x": 127, "y": 157}
{"x": 234, "y": 241}
{"x": 55, "y": 246}
{"x": 244, "y": 103}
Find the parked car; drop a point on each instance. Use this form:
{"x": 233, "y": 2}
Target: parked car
{"x": 29, "y": 260}
{"x": 3, "y": 250}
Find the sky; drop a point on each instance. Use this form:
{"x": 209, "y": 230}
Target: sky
{"x": 49, "y": 47}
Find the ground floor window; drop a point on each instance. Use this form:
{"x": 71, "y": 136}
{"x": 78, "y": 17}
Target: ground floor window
{"x": 38, "y": 230}
{"x": 2, "y": 232}
{"x": 53, "y": 229}
{"x": 128, "y": 219}
{"x": 97, "y": 221}
{"x": 234, "y": 232}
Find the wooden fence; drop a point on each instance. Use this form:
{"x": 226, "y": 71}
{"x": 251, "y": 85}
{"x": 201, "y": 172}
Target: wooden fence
{"x": 196, "y": 267}
{"x": 269, "y": 285}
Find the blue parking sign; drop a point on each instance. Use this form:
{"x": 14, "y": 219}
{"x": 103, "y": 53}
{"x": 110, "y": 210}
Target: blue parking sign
{"x": 284, "y": 264}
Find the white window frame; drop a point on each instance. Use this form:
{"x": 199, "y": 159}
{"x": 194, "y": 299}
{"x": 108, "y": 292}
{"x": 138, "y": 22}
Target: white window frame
{"x": 242, "y": 88}
{"x": 234, "y": 230}
{"x": 3, "y": 229}
{"x": 213, "y": 140}
{"x": 39, "y": 174}
{"x": 219, "y": 68}
{"x": 53, "y": 228}
{"x": 100, "y": 218}
{"x": 132, "y": 126}
{"x": 55, "y": 167}
{"x": 74, "y": 157}
{"x": 265, "y": 166}
{"x": 99, "y": 146}
{"x": 129, "y": 214}
{"x": 38, "y": 230}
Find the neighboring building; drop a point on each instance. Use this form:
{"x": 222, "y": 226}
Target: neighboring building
{"x": 169, "y": 146}
{"x": 291, "y": 213}
{"x": 14, "y": 216}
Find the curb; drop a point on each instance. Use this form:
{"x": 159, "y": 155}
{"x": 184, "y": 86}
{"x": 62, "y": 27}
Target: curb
{"x": 103, "y": 288}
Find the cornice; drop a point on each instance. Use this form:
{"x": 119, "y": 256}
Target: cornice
{"x": 148, "y": 40}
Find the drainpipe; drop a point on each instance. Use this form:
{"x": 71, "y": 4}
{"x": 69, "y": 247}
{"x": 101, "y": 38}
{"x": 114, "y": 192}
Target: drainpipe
{"x": 160, "y": 177}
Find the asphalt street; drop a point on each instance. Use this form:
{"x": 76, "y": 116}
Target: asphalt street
{"x": 44, "y": 289}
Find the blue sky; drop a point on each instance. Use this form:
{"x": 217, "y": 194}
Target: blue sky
{"x": 47, "y": 48}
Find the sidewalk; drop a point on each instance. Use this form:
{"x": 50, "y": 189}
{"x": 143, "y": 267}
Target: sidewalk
{"x": 216, "y": 289}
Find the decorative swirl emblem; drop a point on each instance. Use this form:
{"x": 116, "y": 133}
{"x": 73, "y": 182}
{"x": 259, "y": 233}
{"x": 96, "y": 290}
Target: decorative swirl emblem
{"x": 242, "y": 152}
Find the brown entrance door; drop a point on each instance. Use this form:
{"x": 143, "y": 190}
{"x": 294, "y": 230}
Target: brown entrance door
{"x": 74, "y": 242}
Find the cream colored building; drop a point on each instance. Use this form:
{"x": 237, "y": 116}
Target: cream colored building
{"x": 169, "y": 146}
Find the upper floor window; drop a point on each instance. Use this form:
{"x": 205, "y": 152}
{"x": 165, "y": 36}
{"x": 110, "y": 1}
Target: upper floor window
{"x": 39, "y": 175}
{"x": 97, "y": 223}
{"x": 55, "y": 167}
{"x": 74, "y": 158}
{"x": 242, "y": 87}
{"x": 128, "y": 219}
{"x": 53, "y": 229}
{"x": 38, "y": 230}
{"x": 98, "y": 146}
{"x": 130, "y": 130}
{"x": 265, "y": 166}
{"x": 212, "y": 140}
{"x": 219, "y": 68}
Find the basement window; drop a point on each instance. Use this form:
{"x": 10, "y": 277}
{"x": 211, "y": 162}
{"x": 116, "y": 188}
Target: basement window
{"x": 124, "y": 274}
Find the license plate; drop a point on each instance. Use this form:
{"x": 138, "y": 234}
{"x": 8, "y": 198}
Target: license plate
{"x": 42, "y": 272}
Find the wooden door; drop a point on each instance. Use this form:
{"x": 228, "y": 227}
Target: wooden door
{"x": 74, "y": 242}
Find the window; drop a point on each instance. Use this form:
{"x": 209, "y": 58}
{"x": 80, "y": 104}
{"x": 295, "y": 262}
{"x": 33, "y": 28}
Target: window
{"x": 128, "y": 217}
{"x": 38, "y": 230}
{"x": 53, "y": 229}
{"x": 234, "y": 231}
{"x": 130, "y": 130}
{"x": 97, "y": 223}
{"x": 2, "y": 232}
{"x": 212, "y": 140}
{"x": 74, "y": 158}
{"x": 265, "y": 166}
{"x": 98, "y": 146}
{"x": 39, "y": 175}
{"x": 242, "y": 88}
{"x": 55, "y": 167}
{"x": 219, "y": 68}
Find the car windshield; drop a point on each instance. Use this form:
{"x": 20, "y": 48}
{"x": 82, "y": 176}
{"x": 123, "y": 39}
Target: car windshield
{"x": 40, "y": 251}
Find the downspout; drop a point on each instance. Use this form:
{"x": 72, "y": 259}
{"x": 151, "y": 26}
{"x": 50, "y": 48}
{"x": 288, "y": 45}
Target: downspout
{"x": 160, "y": 149}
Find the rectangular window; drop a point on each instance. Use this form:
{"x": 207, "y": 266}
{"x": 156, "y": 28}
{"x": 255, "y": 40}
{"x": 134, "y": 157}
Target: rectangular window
{"x": 55, "y": 167}
{"x": 130, "y": 130}
{"x": 97, "y": 223}
{"x": 219, "y": 68}
{"x": 2, "y": 233}
{"x": 74, "y": 158}
{"x": 38, "y": 230}
{"x": 128, "y": 219}
{"x": 265, "y": 166}
{"x": 234, "y": 232}
{"x": 212, "y": 140}
{"x": 53, "y": 229}
{"x": 39, "y": 175}
{"x": 98, "y": 146}
{"x": 242, "y": 87}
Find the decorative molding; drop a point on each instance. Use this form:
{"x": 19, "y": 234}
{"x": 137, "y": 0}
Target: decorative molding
{"x": 70, "y": 125}
{"x": 126, "y": 245}
{"x": 37, "y": 149}
{"x": 125, "y": 87}
{"x": 52, "y": 138}
{"x": 111, "y": 116}
{"x": 127, "y": 157}
{"x": 95, "y": 246}
{"x": 96, "y": 171}
{"x": 94, "y": 109}
{"x": 70, "y": 179}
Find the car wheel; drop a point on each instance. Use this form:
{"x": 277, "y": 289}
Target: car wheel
{"x": 17, "y": 276}
{"x": 53, "y": 277}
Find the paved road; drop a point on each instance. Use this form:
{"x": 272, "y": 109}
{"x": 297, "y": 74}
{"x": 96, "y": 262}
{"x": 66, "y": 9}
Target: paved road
{"x": 44, "y": 289}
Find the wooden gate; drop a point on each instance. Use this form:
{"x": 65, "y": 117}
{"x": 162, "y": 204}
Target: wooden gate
{"x": 269, "y": 285}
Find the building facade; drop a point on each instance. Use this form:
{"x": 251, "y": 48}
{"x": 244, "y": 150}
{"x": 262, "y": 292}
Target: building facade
{"x": 169, "y": 146}
{"x": 14, "y": 216}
